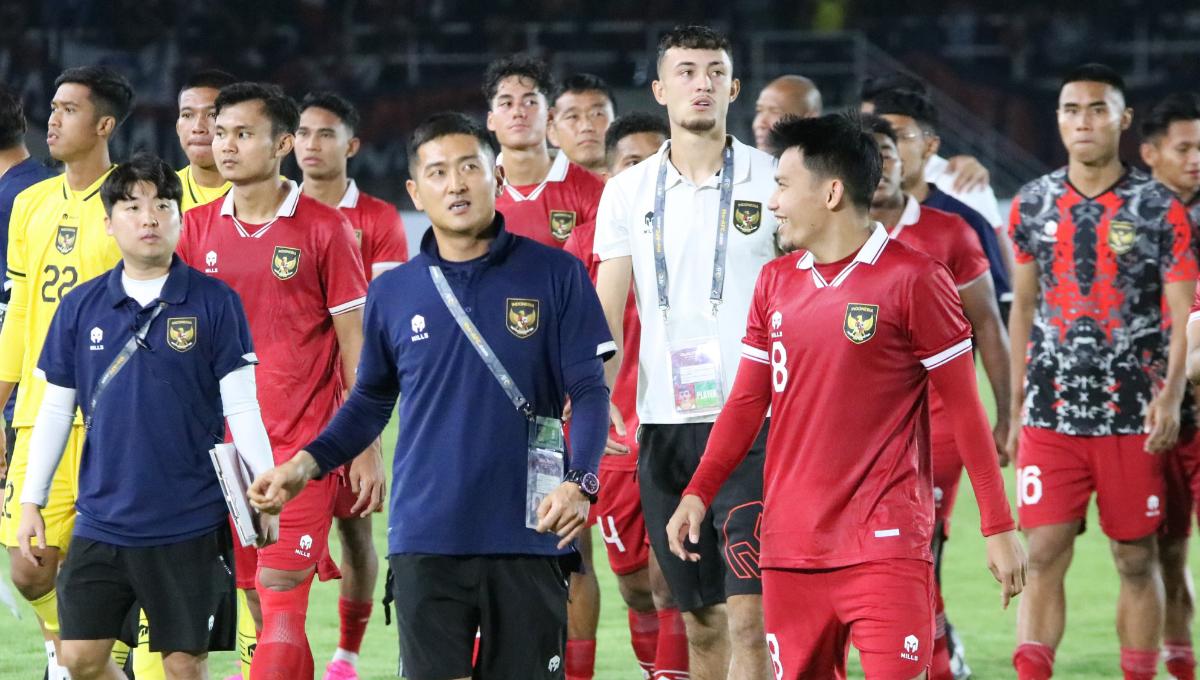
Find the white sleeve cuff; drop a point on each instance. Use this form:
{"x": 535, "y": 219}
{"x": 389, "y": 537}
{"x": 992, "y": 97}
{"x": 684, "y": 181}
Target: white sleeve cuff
{"x": 755, "y": 354}
{"x": 348, "y": 306}
{"x": 239, "y": 401}
{"x": 50, "y": 432}
{"x": 1193, "y": 317}
{"x": 946, "y": 355}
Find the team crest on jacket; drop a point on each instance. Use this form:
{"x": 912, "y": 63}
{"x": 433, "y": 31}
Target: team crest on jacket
{"x": 522, "y": 317}
{"x": 1121, "y": 236}
{"x": 859, "y": 325}
{"x": 747, "y": 216}
{"x": 65, "y": 241}
{"x": 285, "y": 262}
{"x": 561, "y": 223}
{"x": 181, "y": 333}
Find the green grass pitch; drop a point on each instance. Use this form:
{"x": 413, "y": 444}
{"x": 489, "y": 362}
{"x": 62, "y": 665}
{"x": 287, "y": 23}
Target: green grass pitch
{"x": 1089, "y": 649}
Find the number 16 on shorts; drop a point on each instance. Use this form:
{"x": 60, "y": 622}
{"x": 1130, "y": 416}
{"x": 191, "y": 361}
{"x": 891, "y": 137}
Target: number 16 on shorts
{"x": 1029, "y": 485}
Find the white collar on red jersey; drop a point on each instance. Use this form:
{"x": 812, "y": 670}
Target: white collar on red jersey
{"x": 350, "y": 198}
{"x": 286, "y": 209}
{"x": 868, "y": 254}
{"x": 557, "y": 173}
{"x": 910, "y": 216}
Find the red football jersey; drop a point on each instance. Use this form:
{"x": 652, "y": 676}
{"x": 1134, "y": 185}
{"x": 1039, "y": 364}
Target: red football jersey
{"x": 624, "y": 393}
{"x": 847, "y": 474}
{"x": 550, "y": 211}
{"x": 293, "y": 275}
{"x": 378, "y": 228}
{"x": 948, "y": 239}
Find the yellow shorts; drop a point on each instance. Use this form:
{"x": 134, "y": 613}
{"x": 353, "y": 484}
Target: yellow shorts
{"x": 59, "y": 513}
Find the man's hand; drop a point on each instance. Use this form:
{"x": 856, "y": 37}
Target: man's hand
{"x": 1000, "y": 436}
{"x": 564, "y": 511}
{"x": 685, "y": 525}
{"x": 1014, "y": 436}
{"x": 3, "y": 459}
{"x": 267, "y": 527}
{"x": 613, "y": 447}
{"x": 32, "y": 526}
{"x": 282, "y": 483}
{"x": 1162, "y": 421}
{"x": 368, "y": 480}
{"x": 969, "y": 174}
{"x": 1008, "y": 563}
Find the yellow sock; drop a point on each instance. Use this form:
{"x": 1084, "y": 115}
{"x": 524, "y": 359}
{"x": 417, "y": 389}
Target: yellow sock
{"x": 247, "y": 634}
{"x": 46, "y": 607}
{"x": 120, "y": 653}
{"x": 147, "y": 665}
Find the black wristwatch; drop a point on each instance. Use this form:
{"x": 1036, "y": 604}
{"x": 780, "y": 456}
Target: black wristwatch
{"x": 588, "y": 483}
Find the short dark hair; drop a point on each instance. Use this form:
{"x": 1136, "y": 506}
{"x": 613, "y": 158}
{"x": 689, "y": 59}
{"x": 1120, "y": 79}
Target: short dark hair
{"x": 211, "y": 78}
{"x": 632, "y": 124}
{"x": 335, "y": 104}
{"x": 873, "y": 86}
{"x": 878, "y": 125}
{"x": 834, "y": 145}
{"x": 12, "y": 119}
{"x": 1094, "y": 73}
{"x": 693, "y": 37}
{"x": 585, "y": 82}
{"x": 1175, "y": 107}
{"x": 443, "y": 124}
{"x": 522, "y": 66}
{"x": 908, "y": 103}
{"x": 111, "y": 93}
{"x": 143, "y": 167}
{"x": 280, "y": 108}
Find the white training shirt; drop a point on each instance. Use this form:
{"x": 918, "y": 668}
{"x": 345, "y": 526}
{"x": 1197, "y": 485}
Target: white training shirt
{"x": 624, "y": 227}
{"x": 982, "y": 200}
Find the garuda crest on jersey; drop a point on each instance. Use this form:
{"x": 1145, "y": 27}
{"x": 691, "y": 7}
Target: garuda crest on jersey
{"x": 747, "y": 216}
{"x": 181, "y": 333}
{"x": 522, "y": 317}
{"x": 561, "y": 223}
{"x": 285, "y": 262}
{"x": 64, "y": 242}
{"x": 1121, "y": 236}
{"x": 860, "y": 322}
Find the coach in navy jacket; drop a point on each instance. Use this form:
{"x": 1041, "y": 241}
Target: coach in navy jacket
{"x": 458, "y": 545}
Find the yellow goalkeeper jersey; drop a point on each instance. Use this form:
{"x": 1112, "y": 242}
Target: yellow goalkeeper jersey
{"x": 194, "y": 194}
{"x": 56, "y": 241}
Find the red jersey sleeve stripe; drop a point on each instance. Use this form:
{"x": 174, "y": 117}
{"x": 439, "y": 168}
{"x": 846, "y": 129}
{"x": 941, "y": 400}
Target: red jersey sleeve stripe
{"x": 347, "y": 306}
{"x": 947, "y": 354}
{"x": 755, "y": 354}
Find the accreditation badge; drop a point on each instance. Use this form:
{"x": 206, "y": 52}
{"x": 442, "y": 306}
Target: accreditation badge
{"x": 696, "y": 375}
{"x": 545, "y": 467}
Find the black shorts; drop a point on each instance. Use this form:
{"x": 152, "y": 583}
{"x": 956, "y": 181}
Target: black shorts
{"x": 187, "y": 590}
{"x": 667, "y": 458}
{"x": 517, "y": 603}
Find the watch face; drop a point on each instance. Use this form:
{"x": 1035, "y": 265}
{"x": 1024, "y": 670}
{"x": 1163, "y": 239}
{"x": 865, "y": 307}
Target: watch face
{"x": 590, "y": 484}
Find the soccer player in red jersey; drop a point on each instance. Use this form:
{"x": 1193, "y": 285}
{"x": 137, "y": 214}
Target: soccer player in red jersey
{"x": 1097, "y": 384}
{"x": 295, "y": 264}
{"x": 583, "y": 109}
{"x": 655, "y": 625}
{"x": 544, "y": 198}
{"x": 848, "y": 508}
{"x": 949, "y": 240}
{"x": 325, "y": 142}
{"x": 1171, "y": 148}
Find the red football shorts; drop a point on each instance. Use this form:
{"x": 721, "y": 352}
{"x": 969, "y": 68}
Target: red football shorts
{"x": 947, "y": 472}
{"x": 303, "y": 536}
{"x": 622, "y": 526}
{"x": 1057, "y": 474}
{"x": 1181, "y": 470}
{"x": 345, "y": 498}
{"x": 885, "y": 608}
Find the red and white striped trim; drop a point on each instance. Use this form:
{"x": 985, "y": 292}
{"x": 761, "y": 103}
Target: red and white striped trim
{"x": 348, "y": 306}
{"x": 755, "y": 354}
{"x": 946, "y": 354}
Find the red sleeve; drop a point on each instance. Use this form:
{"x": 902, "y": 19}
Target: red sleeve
{"x": 1181, "y": 261}
{"x": 590, "y": 192}
{"x": 1022, "y": 249}
{"x": 757, "y": 343}
{"x": 388, "y": 242}
{"x": 967, "y": 260}
{"x": 731, "y": 439}
{"x": 341, "y": 268}
{"x": 579, "y": 244}
{"x": 184, "y": 248}
{"x": 955, "y": 383}
{"x": 937, "y": 327}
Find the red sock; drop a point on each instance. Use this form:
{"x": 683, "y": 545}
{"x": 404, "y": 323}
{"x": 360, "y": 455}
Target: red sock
{"x": 1033, "y": 661}
{"x": 643, "y": 635}
{"x": 939, "y": 668}
{"x": 283, "y": 652}
{"x": 354, "y": 616}
{"x": 1180, "y": 661}
{"x": 671, "y": 656}
{"x": 581, "y": 659}
{"x": 475, "y": 651}
{"x": 1139, "y": 664}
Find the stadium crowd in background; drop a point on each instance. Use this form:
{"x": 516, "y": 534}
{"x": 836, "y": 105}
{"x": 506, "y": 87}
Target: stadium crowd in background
{"x": 637, "y": 322}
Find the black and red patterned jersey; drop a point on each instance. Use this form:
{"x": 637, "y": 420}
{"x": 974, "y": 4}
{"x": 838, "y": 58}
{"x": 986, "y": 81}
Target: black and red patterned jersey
{"x": 1098, "y": 350}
